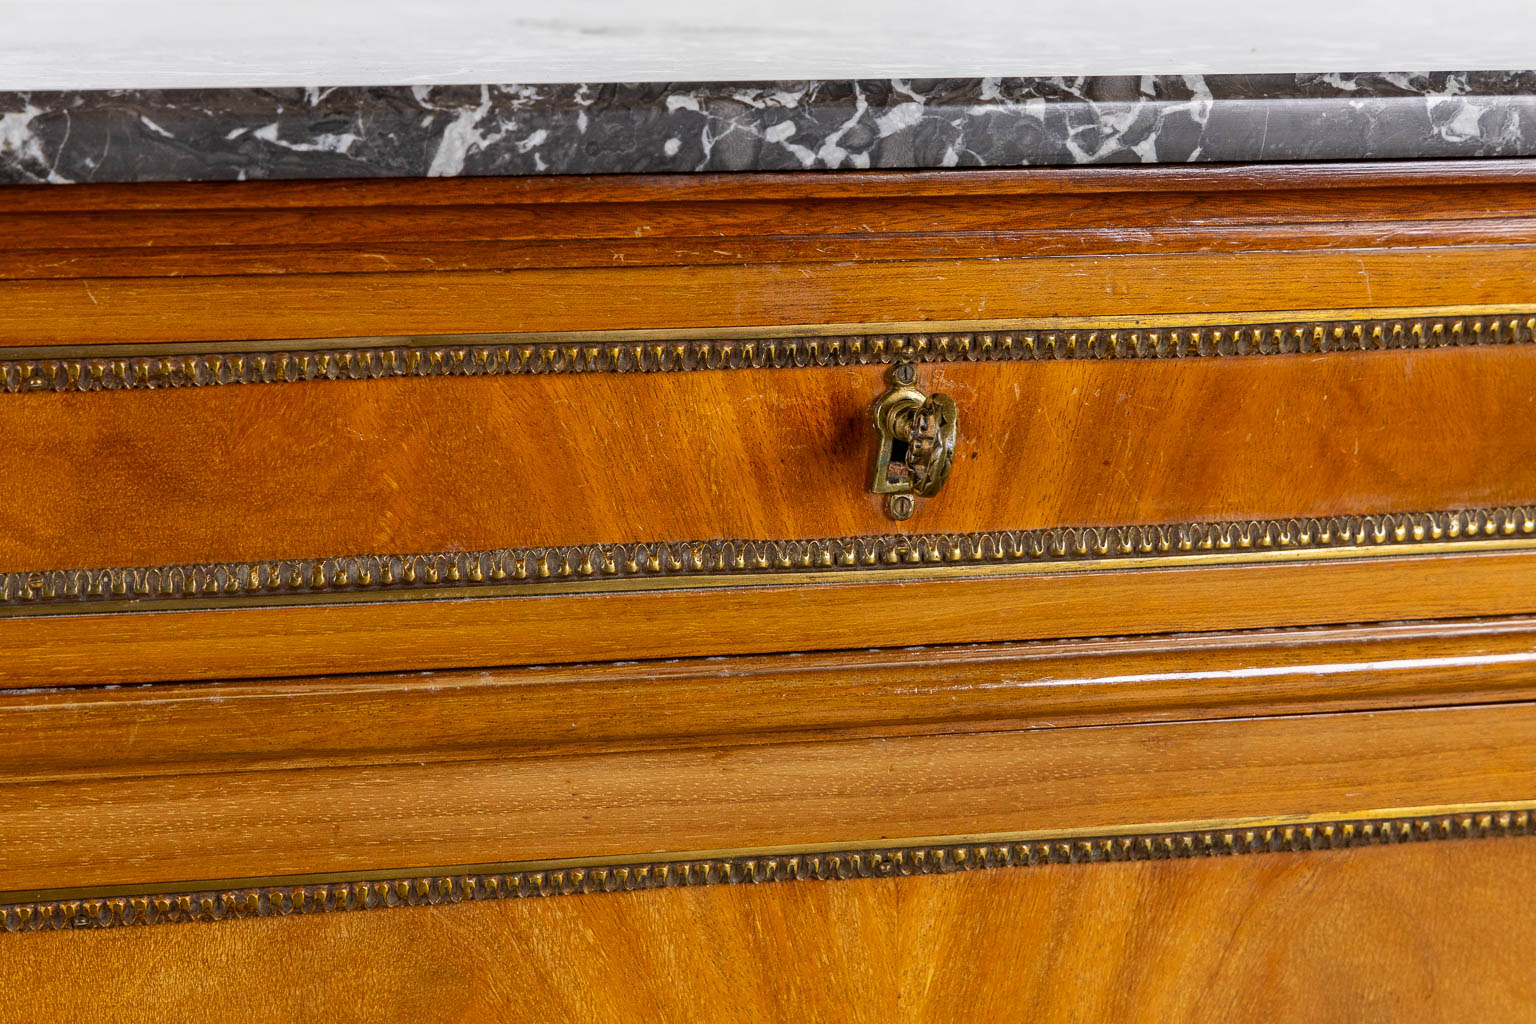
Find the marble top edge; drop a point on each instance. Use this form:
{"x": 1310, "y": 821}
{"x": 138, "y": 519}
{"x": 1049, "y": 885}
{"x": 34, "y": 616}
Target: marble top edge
{"x": 218, "y": 133}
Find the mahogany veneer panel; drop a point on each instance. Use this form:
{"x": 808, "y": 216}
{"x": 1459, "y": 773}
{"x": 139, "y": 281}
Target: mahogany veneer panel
{"x": 1427, "y": 932}
{"x": 335, "y": 468}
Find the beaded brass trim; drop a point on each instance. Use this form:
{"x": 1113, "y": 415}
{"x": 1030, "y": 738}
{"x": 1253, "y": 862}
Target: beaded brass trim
{"x": 693, "y": 564}
{"x": 115, "y": 368}
{"x": 237, "y": 902}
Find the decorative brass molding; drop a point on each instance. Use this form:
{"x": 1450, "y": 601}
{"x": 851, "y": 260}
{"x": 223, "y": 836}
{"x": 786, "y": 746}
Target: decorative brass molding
{"x": 235, "y": 903}
{"x": 738, "y": 562}
{"x": 114, "y": 368}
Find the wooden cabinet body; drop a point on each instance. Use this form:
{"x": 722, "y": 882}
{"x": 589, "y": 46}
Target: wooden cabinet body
{"x": 412, "y": 580}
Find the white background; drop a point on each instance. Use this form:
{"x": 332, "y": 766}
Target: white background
{"x": 79, "y": 44}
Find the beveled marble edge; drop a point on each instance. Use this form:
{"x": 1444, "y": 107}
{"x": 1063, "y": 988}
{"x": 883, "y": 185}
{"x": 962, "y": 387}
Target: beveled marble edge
{"x": 468, "y": 130}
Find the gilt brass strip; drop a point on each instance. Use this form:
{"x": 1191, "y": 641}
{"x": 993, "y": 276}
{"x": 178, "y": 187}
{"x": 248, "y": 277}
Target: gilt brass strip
{"x": 289, "y": 361}
{"x": 236, "y": 899}
{"x": 617, "y": 568}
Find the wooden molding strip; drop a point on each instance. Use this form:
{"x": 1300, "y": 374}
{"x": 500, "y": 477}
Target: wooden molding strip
{"x": 323, "y": 359}
{"x": 147, "y": 833}
{"x": 776, "y": 185}
{"x": 746, "y": 292}
{"x": 693, "y": 564}
{"x": 166, "y": 730}
{"x": 330, "y": 228}
{"x": 243, "y": 640}
{"x": 236, "y": 902}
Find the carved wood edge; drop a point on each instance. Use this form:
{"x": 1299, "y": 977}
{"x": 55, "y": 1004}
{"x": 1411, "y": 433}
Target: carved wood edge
{"x": 235, "y": 902}
{"x": 692, "y": 564}
{"x": 468, "y": 356}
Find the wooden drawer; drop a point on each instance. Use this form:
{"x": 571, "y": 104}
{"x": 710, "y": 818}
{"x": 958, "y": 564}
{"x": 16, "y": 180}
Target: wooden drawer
{"x": 680, "y": 447}
{"x": 564, "y": 477}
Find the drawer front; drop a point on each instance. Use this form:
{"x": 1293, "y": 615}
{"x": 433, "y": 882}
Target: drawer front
{"x": 1242, "y": 399}
{"x": 634, "y": 464}
{"x": 654, "y": 470}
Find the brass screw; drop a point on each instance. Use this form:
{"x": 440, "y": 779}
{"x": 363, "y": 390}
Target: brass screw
{"x": 900, "y": 506}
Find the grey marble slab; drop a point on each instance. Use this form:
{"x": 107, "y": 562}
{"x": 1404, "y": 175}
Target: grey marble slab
{"x": 408, "y": 131}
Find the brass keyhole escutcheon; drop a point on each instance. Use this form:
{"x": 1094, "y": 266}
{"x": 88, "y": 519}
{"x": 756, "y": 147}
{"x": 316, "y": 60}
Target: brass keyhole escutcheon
{"x": 917, "y": 442}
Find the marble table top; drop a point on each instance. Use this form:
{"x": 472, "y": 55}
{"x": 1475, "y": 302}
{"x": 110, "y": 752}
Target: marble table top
{"x": 101, "y": 91}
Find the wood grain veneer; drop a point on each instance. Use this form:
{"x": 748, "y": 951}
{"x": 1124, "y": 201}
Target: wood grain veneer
{"x": 267, "y": 228}
{"x": 324, "y": 736}
{"x": 324, "y": 469}
{"x": 400, "y": 818}
{"x": 302, "y": 259}
{"x": 591, "y": 709}
{"x": 182, "y": 309}
{"x": 1427, "y": 932}
{"x": 253, "y": 642}
{"x": 470, "y": 463}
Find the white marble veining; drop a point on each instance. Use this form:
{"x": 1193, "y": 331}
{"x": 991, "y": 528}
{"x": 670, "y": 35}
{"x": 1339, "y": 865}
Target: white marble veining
{"x": 859, "y": 124}
{"x": 187, "y": 90}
